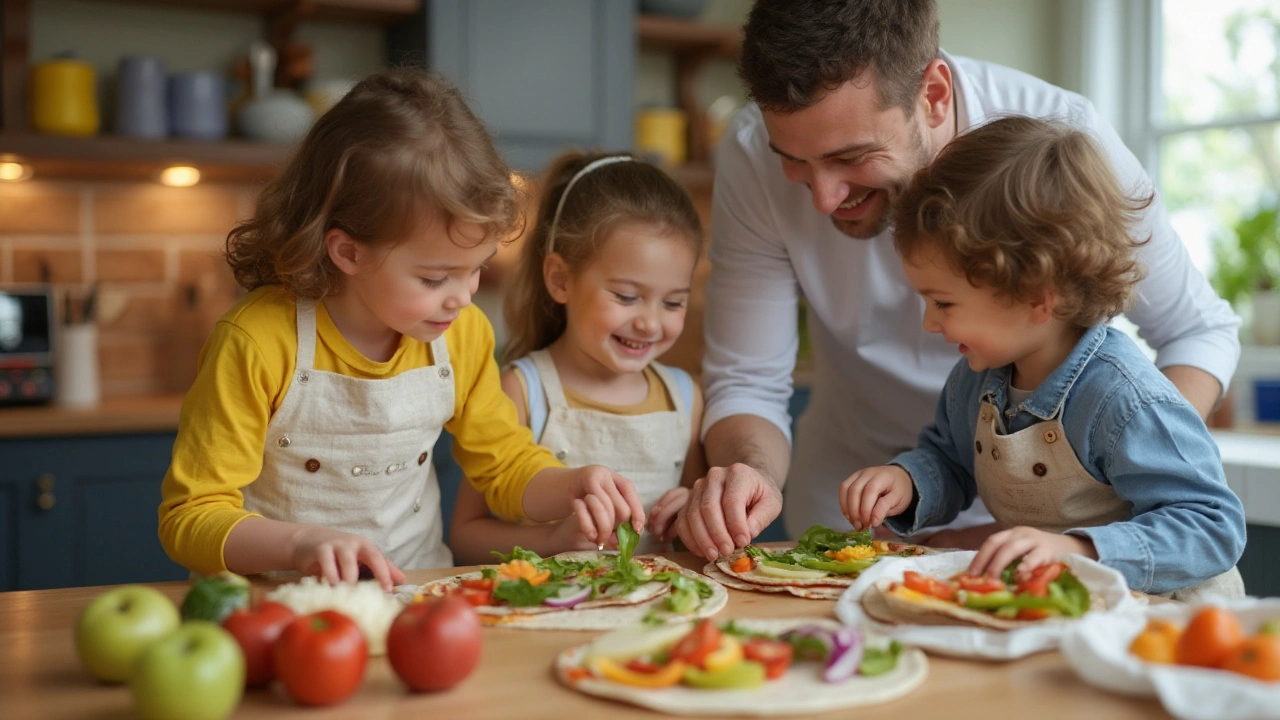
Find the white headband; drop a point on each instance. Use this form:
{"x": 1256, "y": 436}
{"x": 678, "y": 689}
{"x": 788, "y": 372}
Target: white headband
{"x": 555, "y": 219}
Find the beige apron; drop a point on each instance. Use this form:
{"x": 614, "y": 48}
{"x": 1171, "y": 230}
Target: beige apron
{"x": 355, "y": 455}
{"x": 649, "y": 450}
{"x": 1034, "y": 478}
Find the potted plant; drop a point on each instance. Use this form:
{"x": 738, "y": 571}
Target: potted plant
{"x": 1249, "y": 269}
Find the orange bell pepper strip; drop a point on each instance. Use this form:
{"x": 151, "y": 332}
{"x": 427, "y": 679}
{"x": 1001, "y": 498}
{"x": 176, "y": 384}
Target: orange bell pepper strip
{"x": 517, "y": 569}
{"x": 667, "y": 676}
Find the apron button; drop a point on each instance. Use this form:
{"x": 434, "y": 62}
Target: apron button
{"x": 1050, "y": 436}
{"x": 995, "y": 453}
{"x": 417, "y": 505}
{"x": 1039, "y": 469}
{"x": 561, "y": 455}
{"x": 304, "y": 377}
{"x": 679, "y": 463}
{"x": 977, "y": 445}
{"x": 357, "y": 470}
{"x": 283, "y": 441}
{"x": 444, "y": 372}
{"x": 313, "y": 465}
{"x": 422, "y": 458}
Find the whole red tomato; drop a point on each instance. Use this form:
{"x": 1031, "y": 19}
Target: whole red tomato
{"x": 435, "y": 644}
{"x": 320, "y": 658}
{"x": 257, "y": 628}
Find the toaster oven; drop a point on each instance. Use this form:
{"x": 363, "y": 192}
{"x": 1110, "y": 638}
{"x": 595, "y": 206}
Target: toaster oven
{"x": 26, "y": 345}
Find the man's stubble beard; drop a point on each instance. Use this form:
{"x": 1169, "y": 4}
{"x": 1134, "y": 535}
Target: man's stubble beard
{"x": 855, "y": 229}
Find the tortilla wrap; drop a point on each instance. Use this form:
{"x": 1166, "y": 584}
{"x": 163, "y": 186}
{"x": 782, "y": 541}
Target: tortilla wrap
{"x": 755, "y": 577}
{"x": 886, "y": 605}
{"x": 800, "y": 691}
{"x": 809, "y": 592}
{"x": 601, "y": 613}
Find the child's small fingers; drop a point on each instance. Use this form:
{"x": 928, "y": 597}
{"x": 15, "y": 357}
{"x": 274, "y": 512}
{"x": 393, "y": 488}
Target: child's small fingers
{"x": 586, "y": 523}
{"x": 328, "y": 567}
{"x": 348, "y": 564}
{"x": 380, "y": 568}
{"x": 601, "y": 517}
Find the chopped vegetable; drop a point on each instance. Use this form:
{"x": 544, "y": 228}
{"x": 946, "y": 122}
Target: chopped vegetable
{"x": 846, "y": 655}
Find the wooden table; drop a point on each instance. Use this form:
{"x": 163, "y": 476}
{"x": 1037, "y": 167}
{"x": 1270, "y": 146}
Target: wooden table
{"x": 40, "y": 676}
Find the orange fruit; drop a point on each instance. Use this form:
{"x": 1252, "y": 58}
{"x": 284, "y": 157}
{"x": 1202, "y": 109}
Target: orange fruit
{"x": 1154, "y": 645}
{"x": 1212, "y": 634}
{"x": 1257, "y": 657}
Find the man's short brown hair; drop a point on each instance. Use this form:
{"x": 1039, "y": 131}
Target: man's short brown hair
{"x": 1023, "y": 206}
{"x": 796, "y": 51}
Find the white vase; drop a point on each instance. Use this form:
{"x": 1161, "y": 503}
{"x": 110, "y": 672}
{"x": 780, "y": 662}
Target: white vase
{"x": 1266, "y": 317}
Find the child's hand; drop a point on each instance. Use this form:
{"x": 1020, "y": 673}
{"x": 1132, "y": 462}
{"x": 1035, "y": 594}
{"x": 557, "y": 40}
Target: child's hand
{"x": 337, "y": 556}
{"x": 567, "y": 535}
{"x": 1035, "y": 547}
{"x": 872, "y": 494}
{"x": 663, "y": 514}
{"x": 601, "y": 500}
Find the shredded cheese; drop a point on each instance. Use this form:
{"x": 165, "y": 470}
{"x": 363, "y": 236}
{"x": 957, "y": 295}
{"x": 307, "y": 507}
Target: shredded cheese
{"x": 364, "y": 602}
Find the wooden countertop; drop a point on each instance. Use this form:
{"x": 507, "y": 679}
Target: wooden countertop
{"x": 130, "y": 414}
{"x": 41, "y": 677}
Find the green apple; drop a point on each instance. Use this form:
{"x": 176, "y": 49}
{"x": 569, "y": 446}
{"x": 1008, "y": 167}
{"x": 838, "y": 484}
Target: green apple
{"x": 115, "y": 629}
{"x": 197, "y": 673}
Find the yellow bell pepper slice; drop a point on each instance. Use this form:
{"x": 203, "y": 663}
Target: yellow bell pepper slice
{"x": 669, "y": 675}
{"x": 728, "y": 654}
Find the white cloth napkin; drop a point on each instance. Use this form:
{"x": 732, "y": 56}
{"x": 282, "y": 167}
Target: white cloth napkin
{"x": 1098, "y": 649}
{"x": 976, "y": 642}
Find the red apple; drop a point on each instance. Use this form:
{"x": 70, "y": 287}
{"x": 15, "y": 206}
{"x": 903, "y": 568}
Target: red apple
{"x": 257, "y": 628}
{"x": 435, "y": 644}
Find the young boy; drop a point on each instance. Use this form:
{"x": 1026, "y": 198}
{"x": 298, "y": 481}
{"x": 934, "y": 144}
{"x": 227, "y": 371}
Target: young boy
{"x": 1017, "y": 238}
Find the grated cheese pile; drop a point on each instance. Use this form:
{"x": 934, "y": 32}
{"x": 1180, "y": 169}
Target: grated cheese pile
{"x": 364, "y": 602}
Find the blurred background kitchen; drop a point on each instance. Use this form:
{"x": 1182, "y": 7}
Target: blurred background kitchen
{"x": 134, "y": 133}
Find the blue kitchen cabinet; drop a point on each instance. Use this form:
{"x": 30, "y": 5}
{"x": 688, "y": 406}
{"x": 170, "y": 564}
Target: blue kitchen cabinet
{"x": 544, "y": 76}
{"x": 82, "y": 510}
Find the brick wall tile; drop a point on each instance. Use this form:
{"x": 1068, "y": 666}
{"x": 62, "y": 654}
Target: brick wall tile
{"x": 39, "y": 209}
{"x": 155, "y": 209}
{"x": 142, "y": 265}
{"x": 146, "y": 313}
{"x": 65, "y": 265}
{"x": 131, "y": 356}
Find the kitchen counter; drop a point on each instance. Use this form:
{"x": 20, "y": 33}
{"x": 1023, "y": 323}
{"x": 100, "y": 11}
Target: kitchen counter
{"x": 127, "y": 414}
{"x": 42, "y": 677}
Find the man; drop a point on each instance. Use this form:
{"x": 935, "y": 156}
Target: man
{"x": 851, "y": 97}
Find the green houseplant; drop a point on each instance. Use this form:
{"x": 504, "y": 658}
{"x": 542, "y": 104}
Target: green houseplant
{"x": 1249, "y": 268}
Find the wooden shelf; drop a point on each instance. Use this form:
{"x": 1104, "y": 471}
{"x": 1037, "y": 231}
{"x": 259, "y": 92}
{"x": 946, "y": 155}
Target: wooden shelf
{"x": 688, "y": 36}
{"x": 695, "y": 177}
{"x": 365, "y": 11}
{"x": 108, "y": 157}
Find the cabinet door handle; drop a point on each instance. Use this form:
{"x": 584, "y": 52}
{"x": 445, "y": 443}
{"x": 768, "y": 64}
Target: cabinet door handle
{"x": 45, "y": 499}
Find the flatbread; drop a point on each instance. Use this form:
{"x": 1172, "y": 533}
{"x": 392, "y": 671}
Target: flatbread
{"x": 882, "y": 604}
{"x": 599, "y": 614}
{"x": 800, "y": 691}
{"x": 755, "y": 577}
{"x": 809, "y": 592}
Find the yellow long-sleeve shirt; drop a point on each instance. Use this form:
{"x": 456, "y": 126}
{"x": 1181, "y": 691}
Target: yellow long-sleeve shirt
{"x": 244, "y": 372}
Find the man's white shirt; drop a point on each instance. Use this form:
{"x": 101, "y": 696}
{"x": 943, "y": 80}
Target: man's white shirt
{"x": 877, "y": 373}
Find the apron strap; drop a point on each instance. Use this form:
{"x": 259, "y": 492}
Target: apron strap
{"x": 535, "y": 396}
{"x": 550, "y": 379}
{"x": 439, "y": 351}
{"x": 306, "y": 334}
{"x": 679, "y": 386}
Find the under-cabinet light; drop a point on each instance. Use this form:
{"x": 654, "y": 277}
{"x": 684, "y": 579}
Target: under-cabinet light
{"x": 180, "y": 176}
{"x": 14, "y": 171}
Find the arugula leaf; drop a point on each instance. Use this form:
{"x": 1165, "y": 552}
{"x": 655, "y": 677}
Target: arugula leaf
{"x": 817, "y": 540}
{"x": 489, "y": 573}
{"x": 686, "y": 593}
{"x": 628, "y": 539}
{"x": 518, "y": 553}
{"x": 521, "y": 593}
{"x": 877, "y": 661}
{"x": 732, "y": 628}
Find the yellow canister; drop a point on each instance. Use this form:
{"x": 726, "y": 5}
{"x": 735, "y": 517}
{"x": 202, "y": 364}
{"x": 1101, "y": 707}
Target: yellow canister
{"x": 64, "y": 98}
{"x": 662, "y": 131}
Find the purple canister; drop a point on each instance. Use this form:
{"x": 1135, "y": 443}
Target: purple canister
{"x": 198, "y": 105}
{"x": 140, "y": 97}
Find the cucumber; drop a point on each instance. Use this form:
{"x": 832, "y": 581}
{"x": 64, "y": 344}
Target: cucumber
{"x": 215, "y": 597}
{"x": 789, "y": 572}
{"x": 636, "y": 641}
{"x": 745, "y": 674}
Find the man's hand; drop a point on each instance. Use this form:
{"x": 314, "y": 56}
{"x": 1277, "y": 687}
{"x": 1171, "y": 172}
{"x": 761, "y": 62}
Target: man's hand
{"x": 872, "y": 494}
{"x": 726, "y": 509}
{"x": 1035, "y": 547}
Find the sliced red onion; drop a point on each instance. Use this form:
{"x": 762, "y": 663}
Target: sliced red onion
{"x": 846, "y": 655}
{"x": 569, "y": 596}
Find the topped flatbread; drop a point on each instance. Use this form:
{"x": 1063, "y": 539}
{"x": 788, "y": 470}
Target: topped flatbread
{"x": 1050, "y": 594}
{"x": 584, "y": 590}
{"x": 751, "y": 667}
{"x": 822, "y": 557}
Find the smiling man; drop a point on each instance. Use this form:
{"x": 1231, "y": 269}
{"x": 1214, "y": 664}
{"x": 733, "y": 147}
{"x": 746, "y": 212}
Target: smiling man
{"x": 850, "y": 98}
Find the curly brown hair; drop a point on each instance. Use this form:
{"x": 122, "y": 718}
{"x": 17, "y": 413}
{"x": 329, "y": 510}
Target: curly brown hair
{"x": 1021, "y": 206}
{"x": 400, "y": 147}
{"x": 601, "y": 200}
{"x": 796, "y": 51}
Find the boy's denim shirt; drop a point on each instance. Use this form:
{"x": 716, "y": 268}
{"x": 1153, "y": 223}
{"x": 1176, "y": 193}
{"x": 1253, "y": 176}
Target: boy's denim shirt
{"x": 1130, "y": 428}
